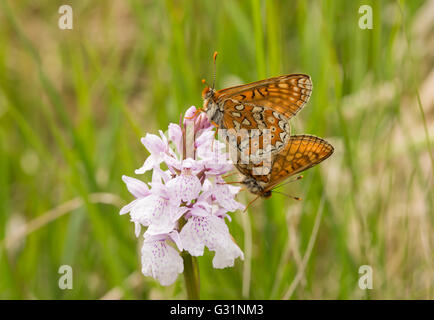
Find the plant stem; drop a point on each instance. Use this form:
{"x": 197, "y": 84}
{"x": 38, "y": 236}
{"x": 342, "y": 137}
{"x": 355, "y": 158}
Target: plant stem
{"x": 191, "y": 276}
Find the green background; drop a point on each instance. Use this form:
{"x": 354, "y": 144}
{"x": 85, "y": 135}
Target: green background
{"x": 74, "y": 104}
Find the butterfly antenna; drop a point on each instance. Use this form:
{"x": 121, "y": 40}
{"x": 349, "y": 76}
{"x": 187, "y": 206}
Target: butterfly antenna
{"x": 289, "y": 196}
{"x": 256, "y": 198}
{"x": 215, "y": 69}
{"x": 229, "y": 174}
{"x": 293, "y": 180}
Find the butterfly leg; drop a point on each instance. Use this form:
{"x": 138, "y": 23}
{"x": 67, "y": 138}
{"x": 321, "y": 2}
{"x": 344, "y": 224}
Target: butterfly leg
{"x": 230, "y": 182}
{"x": 256, "y": 198}
{"x": 214, "y": 124}
{"x": 199, "y": 110}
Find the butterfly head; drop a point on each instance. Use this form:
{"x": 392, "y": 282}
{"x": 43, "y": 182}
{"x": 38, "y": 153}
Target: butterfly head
{"x": 211, "y": 107}
{"x": 207, "y": 92}
{"x": 266, "y": 194}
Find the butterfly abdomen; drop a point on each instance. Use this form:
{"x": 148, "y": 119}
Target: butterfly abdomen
{"x": 253, "y": 186}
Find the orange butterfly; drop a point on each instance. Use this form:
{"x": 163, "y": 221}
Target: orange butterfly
{"x": 265, "y": 104}
{"x": 300, "y": 153}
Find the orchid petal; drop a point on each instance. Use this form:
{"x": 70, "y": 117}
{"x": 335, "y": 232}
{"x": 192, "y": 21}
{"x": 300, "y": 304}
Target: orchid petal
{"x": 138, "y": 188}
{"x": 161, "y": 262}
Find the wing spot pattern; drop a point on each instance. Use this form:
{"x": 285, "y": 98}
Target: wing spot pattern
{"x": 246, "y": 122}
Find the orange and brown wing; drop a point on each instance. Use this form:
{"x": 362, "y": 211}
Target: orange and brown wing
{"x": 301, "y": 153}
{"x": 240, "y": 115}
{"x": 260, "y": 172}
{"x": 285, "y": 94}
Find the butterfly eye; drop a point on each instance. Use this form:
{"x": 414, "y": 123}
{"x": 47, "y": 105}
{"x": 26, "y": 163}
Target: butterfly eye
{"x": 267, "y": 194}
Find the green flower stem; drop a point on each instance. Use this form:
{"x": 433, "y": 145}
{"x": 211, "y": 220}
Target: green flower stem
{"x": 191, "y": 267}
{"x": 191, "y": 276}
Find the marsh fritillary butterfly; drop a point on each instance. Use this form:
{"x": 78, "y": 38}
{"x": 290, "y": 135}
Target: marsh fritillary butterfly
{"x": 268, "y": 104}
{"x": 265, "y": 104}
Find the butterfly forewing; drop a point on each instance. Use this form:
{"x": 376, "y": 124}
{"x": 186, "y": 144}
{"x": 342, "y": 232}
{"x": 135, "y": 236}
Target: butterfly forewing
{"x": 266, "y": 104}
{"x": 285, "y": 94}
{"x": 256, "y": 120}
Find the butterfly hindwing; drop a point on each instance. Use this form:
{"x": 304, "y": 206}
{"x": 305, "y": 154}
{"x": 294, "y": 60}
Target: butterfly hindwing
{"x": 301, "y": 153}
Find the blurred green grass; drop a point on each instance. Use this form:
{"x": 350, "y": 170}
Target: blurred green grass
{"x": 74, "y": 104}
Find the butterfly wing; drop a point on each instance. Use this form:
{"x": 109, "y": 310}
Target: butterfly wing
{"x": 285, "y": 94}
{"x": 301, "y": 153}
{"x": 239, "y": 115}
